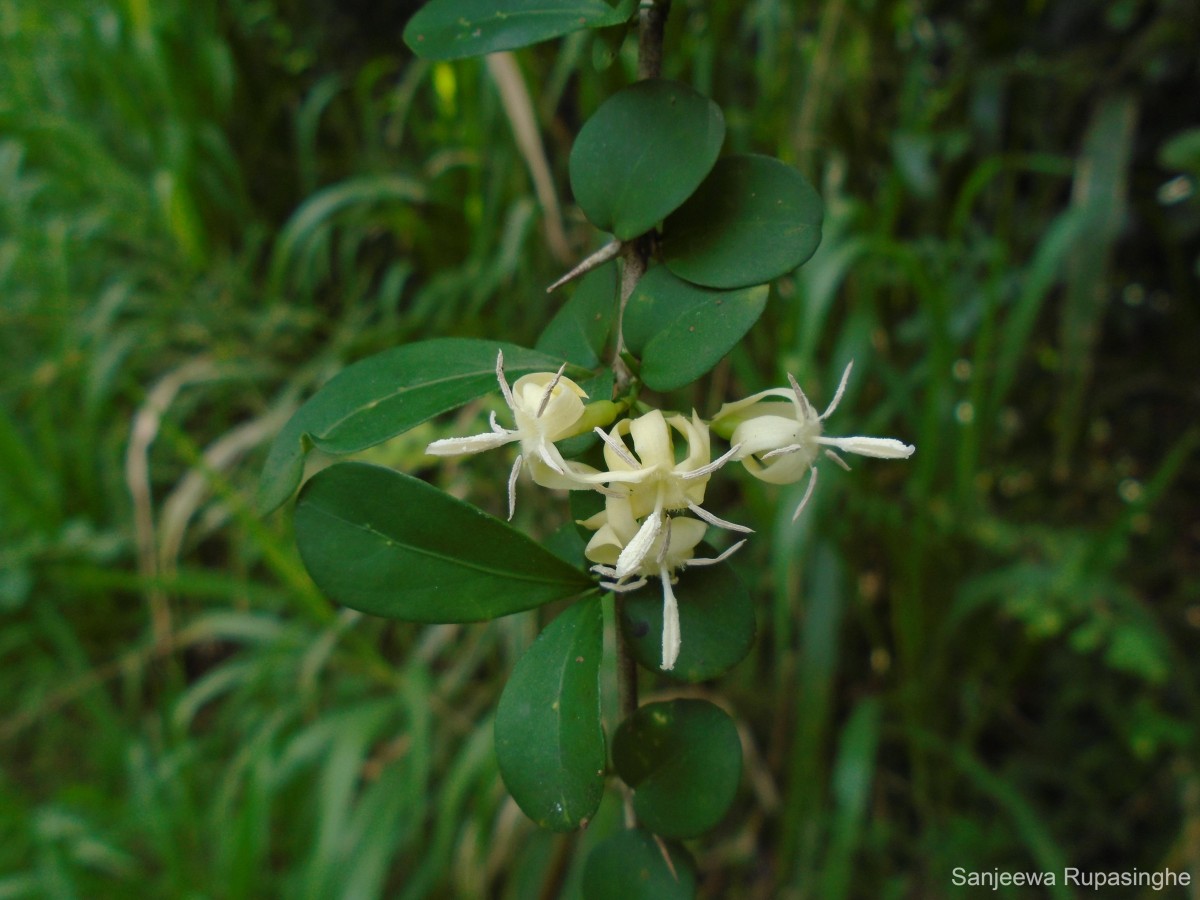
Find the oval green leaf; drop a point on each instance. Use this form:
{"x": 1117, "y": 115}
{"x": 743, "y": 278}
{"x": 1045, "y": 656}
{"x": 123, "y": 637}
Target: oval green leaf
{"x": 753, "y": 219}
{"x": 579, "y": 330}
{"x": 549, "y": 741}
{"x": 384, "y": 395}
{"x": 683, "y": 759}
{"x": 630, "y": 866}
{"x": 642, "y": 153}
{"x": 716, "y": 621}
{"x": 681, "y": 330}
{"x": 453, "y": 29}
{"x": 392, "y": 545}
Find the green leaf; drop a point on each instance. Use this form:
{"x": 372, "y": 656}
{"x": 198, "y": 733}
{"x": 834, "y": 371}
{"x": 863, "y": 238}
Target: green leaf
{"x": 642, "y": 153}
{"x": 753, "y": 219}
{"x": 392, "y": 545}
{"x": 630, "y": 866}
{"x": 549, "y": 741}
{"x": 681, "y": 331}
{"x": 384, "y": 395}
{"x": 716, "y": 621}
{"x": 1181, "y": 152}
{"x": 453, "y": 29}
{"x": 580, "y": 329}
{"x": 683, "y": 759}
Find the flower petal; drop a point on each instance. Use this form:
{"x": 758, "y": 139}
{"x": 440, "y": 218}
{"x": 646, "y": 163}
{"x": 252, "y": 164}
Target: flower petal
{"x": 671, "y": 638}
{"x": 883, "y": 448}
{"x": 475, "y": 443}
{"x": 638, "y": 548}
{"x": 652, "y": 441}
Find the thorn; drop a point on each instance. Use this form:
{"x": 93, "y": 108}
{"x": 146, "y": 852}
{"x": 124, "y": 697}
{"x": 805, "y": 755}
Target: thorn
{"x": 597, "y": 259}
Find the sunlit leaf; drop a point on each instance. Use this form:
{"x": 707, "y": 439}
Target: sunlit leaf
{"x": 753, "y": 219}
{"x": 549, "y": 742}
{"x": 384, "y": 395}
{"x": 681, "y": 330}
{"x": 683, "y": 759}
{"x": 392, "y": 545}
{"x": 452, "y": 29}
{"x": 642, "y": 153}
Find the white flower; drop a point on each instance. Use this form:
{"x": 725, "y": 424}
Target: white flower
{"x": 671, "y": 549}
{"x": 653, "y": 483}
{"x": 546, "y": 407}
{"x": 778, "y": 441}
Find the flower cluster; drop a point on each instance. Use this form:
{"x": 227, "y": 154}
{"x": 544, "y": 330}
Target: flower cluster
{"x": 657, "y": 469}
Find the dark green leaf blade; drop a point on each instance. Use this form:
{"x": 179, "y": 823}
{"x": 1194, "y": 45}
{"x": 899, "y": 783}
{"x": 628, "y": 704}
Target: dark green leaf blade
{"x": 392, "y": 545}
{"x": 580, "y": 328}
{"x": 549, "y": 741}
{"x": 384, "y": 395}
{"x": 453, "y": 29}
{"x": 630, "y": 866}
{"x": 642, "y": 153}
{"x": 682, "y": 330}
{"x": 753, "y": 219}
{"x": 683, "y": 759}
{"x": 716, "y": 621}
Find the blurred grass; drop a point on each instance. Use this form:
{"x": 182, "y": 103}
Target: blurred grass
{"x": 984, "y": 657}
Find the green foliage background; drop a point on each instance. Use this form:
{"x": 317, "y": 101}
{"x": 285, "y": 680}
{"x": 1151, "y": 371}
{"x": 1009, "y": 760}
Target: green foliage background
{"x": 984, "y": 657}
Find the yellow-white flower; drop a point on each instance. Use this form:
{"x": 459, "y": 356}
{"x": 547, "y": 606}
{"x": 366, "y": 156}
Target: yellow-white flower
{"x": 546, "y": 407}
{"x": 671, "y": 549}
{"x": 778, "y": 440}
{"x": 650, "y": 480}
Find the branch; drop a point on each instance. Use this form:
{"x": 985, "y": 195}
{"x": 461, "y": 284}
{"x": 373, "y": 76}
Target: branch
{"x": 652, "y": 19}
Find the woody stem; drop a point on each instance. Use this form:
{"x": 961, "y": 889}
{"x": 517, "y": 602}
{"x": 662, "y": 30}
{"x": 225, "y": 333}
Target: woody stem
{"x": 635, "y": 257}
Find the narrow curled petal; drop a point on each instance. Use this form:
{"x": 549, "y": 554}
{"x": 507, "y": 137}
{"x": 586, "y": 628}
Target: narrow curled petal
{"x": 808, "y": 492}
{"x": 504, "y": 389}
{"x": 841, "y": 389}
{"x": 705, "y": 561}
{"x": 706, "y": 470}
{"x": 717, "y": 520}
{"x": 671, "y": 639}
{"x": 883, "y": 448}
{"x": 512, "y": 486}
{"x": 475, "y": 443}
